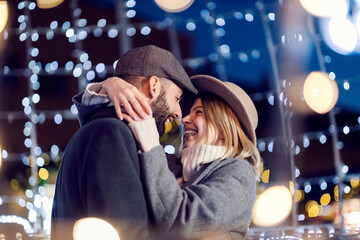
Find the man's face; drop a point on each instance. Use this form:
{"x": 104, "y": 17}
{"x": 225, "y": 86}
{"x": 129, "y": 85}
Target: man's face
{"x": 166, "y": 106}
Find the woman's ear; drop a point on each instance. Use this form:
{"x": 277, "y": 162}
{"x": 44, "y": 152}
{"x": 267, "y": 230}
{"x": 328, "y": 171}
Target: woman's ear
{"x": 154, "y": 87}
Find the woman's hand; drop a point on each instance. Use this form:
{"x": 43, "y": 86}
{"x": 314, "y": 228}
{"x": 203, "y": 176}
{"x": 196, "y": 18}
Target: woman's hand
{"x": 126, "y": 98}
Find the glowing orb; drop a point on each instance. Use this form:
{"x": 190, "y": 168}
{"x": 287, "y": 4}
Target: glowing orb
{"x": 353, "y": 218}
{"x": 45, "y": 4}
{"x": 94, "y": 229}
{"x": 320, "y": 92}
{"x": 3, "y": 14}
{"x": 174, "y": 5}
{"x": 272, "y": 207}
{"x": 326, "y": 8}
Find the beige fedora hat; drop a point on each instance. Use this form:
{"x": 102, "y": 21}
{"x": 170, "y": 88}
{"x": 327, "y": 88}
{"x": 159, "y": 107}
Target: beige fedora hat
{"x": 235, "y": 97}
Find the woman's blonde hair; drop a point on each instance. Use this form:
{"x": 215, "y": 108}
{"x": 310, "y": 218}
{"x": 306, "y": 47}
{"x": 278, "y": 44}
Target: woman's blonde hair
{"x": 223, "y": 123}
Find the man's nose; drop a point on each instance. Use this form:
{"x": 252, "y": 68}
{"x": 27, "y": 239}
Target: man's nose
{"x": 177, "y": 112}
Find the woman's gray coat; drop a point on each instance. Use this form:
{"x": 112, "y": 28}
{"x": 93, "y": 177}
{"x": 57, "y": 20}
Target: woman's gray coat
{"x": 216, "y": 203}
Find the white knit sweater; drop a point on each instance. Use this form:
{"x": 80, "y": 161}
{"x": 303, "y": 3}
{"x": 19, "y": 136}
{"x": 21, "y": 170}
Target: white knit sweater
{"x": 193, "y": 157}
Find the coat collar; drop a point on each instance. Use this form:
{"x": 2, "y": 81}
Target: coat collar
{"x": 203, "y": 172}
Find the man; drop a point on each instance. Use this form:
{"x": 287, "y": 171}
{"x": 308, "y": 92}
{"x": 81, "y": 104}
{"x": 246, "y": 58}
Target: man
{"x": 99, "y": 175}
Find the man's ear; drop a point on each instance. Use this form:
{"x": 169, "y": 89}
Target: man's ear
{"x": 154, "y": 87}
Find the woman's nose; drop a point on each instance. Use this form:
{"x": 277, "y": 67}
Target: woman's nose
{"x": 186, "y": 119}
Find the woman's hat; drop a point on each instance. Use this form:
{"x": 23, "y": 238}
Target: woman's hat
{"x": 235, "y": 97}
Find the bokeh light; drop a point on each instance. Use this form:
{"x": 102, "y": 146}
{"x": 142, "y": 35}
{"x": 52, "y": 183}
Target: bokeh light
{"x": 174, "y": 5}
{"x": 340, "y": 35}
{"x": 4, "y": 11}
{"x": 272, "y": 207}
{"x": 45, "y": 4}
{"x": 325, "y": 199}
{"x": 265, "y": 176}
{"x": 94, "y": 229}
{"x": 353, "y": 218}
{"x": 326, "y": 8}
{"x": 320, "y": 92}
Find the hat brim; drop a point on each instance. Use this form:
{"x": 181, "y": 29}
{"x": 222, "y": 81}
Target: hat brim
{"x": 238, "y": 100}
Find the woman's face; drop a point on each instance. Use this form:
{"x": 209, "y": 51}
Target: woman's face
{"x": 195, "y": 127}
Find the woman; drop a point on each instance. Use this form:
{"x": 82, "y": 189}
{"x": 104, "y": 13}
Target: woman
{"x": 220, "y": 165}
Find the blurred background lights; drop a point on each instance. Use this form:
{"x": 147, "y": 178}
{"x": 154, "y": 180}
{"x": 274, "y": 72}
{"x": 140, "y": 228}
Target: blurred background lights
{"x": 340, "y": 35}
{"x": 43, "y": 174}
{"x": 4, "y": 11}
{"x": 174, "y": 5}
{"x": 272, "y": 207}
{"x": 169, "y": 149}
{"x": 190, "y": 26}
{"x": 249, "y": 17}
{"x": 325, "y": 199}
{"x": 58, "y": 119}
{"x": 112, "y": 33}
{"x": 326, "y": 8}
{"x": 130, "y": 3}
{"x": 131, "y": 31}
{"x": 53, "y": 24}
{"x": 320, "y": 92}
{"x": 265, "y": 176}
{"x": 48, "y": 3}
{"x": 131, "y": 13}
{"x": 100, "y": 67}
{"x": 145, "y": 30}
{"x": 94, "y": 229}
{"x": 353, "y": 218}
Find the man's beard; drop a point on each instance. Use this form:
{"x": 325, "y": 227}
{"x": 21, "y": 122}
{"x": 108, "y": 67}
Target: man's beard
{"x": 161, "y": 112}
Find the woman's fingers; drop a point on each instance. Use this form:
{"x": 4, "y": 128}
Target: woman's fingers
{"x": 127, "y": 98}
{"x": 128, "y": 118}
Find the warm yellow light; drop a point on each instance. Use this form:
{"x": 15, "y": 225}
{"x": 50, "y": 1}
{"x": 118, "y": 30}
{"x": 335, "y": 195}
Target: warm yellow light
{"x": 320, "y": 92}
{"x": 168, "y": 127}
{"x": 336, "y": 190}
{"x": 0, "y": 156}
{"x": 14, "y": 184}
{"x": 325, "y": 199}
{"x": 315, "y": 210}
{"x": 292, "y": 188}
{"x": 174, "y": 5}
{"x": 272, "y": 207}
{"x": 265, "y": 176}
{"x": 353, "y": 218}
{"x": 325, "y": 8}
{"x": 45, "y": 4}
{"x": 4, "y": 14}
{"x": 354, "y": 182}
{"x": 43, "y": 174}
{"x": 94, "y": 229}
{"x": 299, "y": 195}
{"x": 310, "y": 204}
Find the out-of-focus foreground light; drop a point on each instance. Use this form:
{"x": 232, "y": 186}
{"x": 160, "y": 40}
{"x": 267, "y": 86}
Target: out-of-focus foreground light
{"x": 4, "y": 11}
{"x": 272, "y": 207}
{"x": 94, "y": 229}
{"x": 340, "y": 35}
{"x": 0, "y": 156}
{"x": 326, "y": 8}
{"x": 320, "y": 92}
{"x": 353, "y": 218}
{"x": 174, "y": 5}
{"x": 48, "y": 3}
